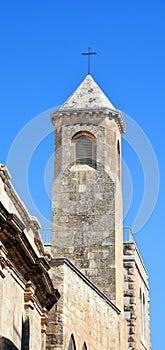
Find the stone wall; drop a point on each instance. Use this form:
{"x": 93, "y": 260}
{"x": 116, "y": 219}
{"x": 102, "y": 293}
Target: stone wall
{"x": 12, "y": 307}
{"x": 20, "y": 320}
{"x": 26, "y": 290}
{"x": 135, "y": 279}
{"x": 87, "y": 204}
{"x": 84, "y": 312}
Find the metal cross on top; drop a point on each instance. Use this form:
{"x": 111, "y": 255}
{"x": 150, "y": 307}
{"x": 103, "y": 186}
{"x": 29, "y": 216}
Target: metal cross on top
{"x": 89, "y": 53}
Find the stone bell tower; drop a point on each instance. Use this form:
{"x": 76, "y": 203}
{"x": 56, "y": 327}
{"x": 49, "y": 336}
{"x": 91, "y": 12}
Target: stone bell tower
{"x": 87, "y": 199}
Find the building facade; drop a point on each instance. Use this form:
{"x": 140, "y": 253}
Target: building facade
{"x": 26, "y": 289}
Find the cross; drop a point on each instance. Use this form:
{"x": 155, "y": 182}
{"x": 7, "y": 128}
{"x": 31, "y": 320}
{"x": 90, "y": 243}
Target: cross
{"x": 89, "y": 53}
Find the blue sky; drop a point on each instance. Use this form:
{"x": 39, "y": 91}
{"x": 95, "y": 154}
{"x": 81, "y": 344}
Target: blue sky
{"x": 41, "y": 64}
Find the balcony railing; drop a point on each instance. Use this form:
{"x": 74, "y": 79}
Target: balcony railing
{"x": 128, "y": 235}
{"x": 46, "y": 234}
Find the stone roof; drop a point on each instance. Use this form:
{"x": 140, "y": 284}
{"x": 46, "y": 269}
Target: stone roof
{"x": 87, "y": 96}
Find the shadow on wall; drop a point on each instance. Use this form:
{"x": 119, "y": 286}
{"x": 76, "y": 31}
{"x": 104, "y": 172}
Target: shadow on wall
{"x": 25, "y": 334}
{"x": 7, "y": 344}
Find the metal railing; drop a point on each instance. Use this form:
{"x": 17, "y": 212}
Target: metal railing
{"x": 46, "y": 234}
{"x": 128, "y": 235}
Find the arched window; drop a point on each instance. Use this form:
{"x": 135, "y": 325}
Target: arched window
{"x": 85, "y": 148}
{"x": 84, "y": 346}
{"x": 72, "y": 345}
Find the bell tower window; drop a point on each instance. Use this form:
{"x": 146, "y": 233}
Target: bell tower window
{"x": 85, "y": 148}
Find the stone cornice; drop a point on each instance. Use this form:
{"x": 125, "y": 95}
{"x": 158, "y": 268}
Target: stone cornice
{"x": 30, "y": 299}
{"x": 111, "y": 114}
{"x": 7, "y": 267}
{"x": 29, "y": 221}
{"x": 22, "y": 255}
{"x": 3, "y": 259}
{"x": 4, "y": 173}
{"x": 133, "y": 246}
{"x": 136, "y": 259}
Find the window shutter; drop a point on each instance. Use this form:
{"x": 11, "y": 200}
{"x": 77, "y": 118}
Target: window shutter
{"x": 85, "y": 151}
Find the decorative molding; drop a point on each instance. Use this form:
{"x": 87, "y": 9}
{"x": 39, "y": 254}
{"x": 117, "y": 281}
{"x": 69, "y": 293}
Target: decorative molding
{"x": 29, "y": 295}
{"x": 58, "y": 119}
{"x": 25, "y": 260}
{"x": 3, "y": 261}
{"x": 28, "y": 220}
{"x": 44, "y": 321}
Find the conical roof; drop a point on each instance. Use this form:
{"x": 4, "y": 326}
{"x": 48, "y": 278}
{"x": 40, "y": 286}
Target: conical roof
{"x": 88, "y": 96}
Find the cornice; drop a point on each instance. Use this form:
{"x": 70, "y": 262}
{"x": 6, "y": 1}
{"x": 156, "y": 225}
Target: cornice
{"x": 24, "y": 258}
{"x": 29, "y": 221}
{"x": 102, "y": 112}
{"x": 6, "y": 266}
{"x": 136, "y": 259}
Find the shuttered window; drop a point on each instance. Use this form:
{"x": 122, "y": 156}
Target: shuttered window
{"x": 86, "y": 151}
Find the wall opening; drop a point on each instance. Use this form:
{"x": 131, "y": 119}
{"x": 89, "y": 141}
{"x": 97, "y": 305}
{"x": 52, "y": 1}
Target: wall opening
{"x": 85, "y": 148}
{"x": 142, "y": 315}
{"x": 118, "y": 159}
{"x": 84, "y": 346}
{"x": 72, "y": 344}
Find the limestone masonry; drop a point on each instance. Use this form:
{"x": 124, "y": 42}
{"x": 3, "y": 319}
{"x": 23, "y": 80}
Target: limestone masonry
{"x": 91, "y": 290}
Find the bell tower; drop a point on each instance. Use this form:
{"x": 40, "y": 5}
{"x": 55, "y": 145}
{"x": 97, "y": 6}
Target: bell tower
{"x": 87, "y": 198}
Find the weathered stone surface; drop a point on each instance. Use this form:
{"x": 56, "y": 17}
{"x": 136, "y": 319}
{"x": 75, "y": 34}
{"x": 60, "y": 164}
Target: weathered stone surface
{"x": 26, "y": 290}
{"x": 136, "y": 279}
{"x": 87, "y": 204}
{"x": 85, "y": 312}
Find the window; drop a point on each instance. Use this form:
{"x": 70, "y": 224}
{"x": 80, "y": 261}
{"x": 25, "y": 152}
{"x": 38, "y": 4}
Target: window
{"x": 142, "y": 315}
{"x": 72, "y": 345}
{"x": 84, "y": 346}
{"x": 118, "y": 159}
{"x": 85, "y": 148}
